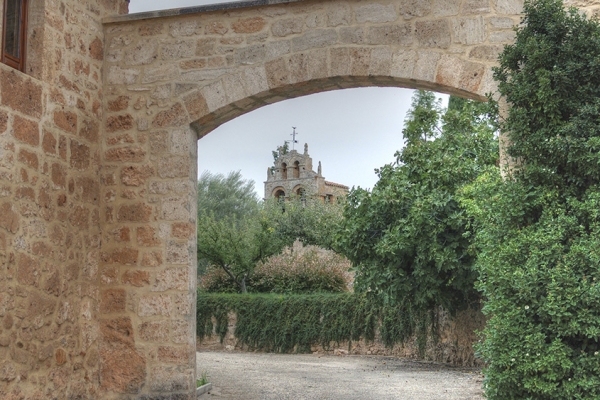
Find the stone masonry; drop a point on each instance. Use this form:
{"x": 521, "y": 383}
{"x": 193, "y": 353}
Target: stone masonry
{"x": 292, "y": 175}
{"x": 98, "y": 160}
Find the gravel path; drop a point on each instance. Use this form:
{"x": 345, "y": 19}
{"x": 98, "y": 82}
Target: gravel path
{"x": 260, "y": 376}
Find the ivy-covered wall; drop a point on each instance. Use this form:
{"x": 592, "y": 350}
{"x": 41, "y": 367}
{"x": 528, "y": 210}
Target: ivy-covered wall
{"x": 333, "y": 323}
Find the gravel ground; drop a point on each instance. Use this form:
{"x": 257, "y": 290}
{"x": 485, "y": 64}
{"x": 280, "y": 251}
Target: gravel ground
{"x": 261, "y": 376}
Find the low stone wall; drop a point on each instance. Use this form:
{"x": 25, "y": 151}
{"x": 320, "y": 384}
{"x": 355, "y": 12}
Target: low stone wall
{"x": 454, "y": 345}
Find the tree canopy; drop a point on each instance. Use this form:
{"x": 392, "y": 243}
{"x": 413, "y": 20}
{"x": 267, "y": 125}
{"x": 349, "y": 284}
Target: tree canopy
{"x": 226, "y": 196}
{"x": 409, "y": 238}
{"x": 538, "y": 230}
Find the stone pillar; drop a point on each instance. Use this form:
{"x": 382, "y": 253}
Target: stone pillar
{"x": 148, "y": 258}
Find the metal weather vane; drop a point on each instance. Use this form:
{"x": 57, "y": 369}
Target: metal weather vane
{"x": 293, "y": 135}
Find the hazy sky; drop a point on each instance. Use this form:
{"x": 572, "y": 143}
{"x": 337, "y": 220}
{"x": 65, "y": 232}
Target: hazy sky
{"x": 350, "y": 131}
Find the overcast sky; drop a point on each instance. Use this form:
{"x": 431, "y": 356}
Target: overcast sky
{"x": 350, "y": 131}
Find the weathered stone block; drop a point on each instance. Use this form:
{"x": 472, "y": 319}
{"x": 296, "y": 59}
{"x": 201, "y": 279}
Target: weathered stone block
{"x": 90, "y": 130}
{"x": 174, "y": 167}
{"x": 10, "y": 218}
{"x": 476, "y": 7}
{"x": 21, "y": 94}
{"x": 26, "y": 131}
{"x": 175, "y": 116}
{"x": 139, "y": 212}
{"x": 116, "y": 123}
{"x": 122, "y": 76}
{"x": 315, "y": 39}
{"x": 124, "y": 256}
{"x": 444, "y": 8}
{"x": 49, "y": 142}
{"x": 249, "y": 25}
{"x": 155, "y": 304}
{"x": 508, "y": 6}
{"x": 155, "y": 331}
{"x": 288, "y": 26}
{"x": 391, "y": 34}
{"x": 136, "y": 278}
{"x": 125, "y": 154}
{"x": 175, "y": 355}
{"x": 169, "y": 379}
{"x": 152, "y": 259}
{"x": 215, "y": 96}
{"x": 28, "y": 158}
{"x": 172, "y": 279}
{"x": 112, "y": 300}
{"x": 376, "y": 13}
{"x": 433, "y": 33}
{"x": 146, "y": 236}
{"x": 28, "y": 270}
{"x": 469, "y": 30}
{"x": 175, "y": 209}
{"x": 144, "y": 53}
{"x": 66, "y": 120}
{"x": 80, "y": 155}
{"x": 136, "y": 175}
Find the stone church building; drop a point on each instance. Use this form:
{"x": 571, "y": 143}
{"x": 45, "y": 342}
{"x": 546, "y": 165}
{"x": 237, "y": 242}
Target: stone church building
{"x": 292, "y": 176}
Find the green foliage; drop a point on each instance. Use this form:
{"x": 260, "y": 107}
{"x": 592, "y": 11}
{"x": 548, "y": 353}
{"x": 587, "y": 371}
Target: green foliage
{"x": 409, "y": 239}
{"x": 538, "y": 232}
{"x": 228, "y": 196}
{"x": 281, "y": 150}
{"x": 288, "y": 323}
{"x": 224, "y": 198}
{"x": 237, "y": 246}
{"x": 203, "y": 379}
{"x": 290, "y": 272}
{"x": 311, "y": 221}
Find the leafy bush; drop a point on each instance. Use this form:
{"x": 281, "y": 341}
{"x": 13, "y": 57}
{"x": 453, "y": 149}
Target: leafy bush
{"x": 310, "y": 271}
{"x": 538, "y": 231}
{"x": 286, "y": 323}
{"x": 409, "y": 239}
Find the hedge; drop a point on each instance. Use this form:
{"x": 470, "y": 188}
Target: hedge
{"x": 288, "y": 323}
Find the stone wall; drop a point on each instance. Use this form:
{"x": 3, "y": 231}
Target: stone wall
{"x": 453, "y": 346}
{"x": 50, "y": 129}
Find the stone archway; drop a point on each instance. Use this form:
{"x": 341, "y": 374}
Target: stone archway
{"x": 172, "y": 77}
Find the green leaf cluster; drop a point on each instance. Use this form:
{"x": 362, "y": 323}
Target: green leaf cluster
{"x": 409, "y": 239}
{"x": 538, "y": 230}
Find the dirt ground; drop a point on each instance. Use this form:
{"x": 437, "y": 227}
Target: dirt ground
{"x": 260, "y": 376}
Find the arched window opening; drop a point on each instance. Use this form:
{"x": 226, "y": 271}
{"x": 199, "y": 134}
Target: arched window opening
{"x": 279, "y": 195}
{"x": 283, "y": 171}
{"x": 296, "y": 170}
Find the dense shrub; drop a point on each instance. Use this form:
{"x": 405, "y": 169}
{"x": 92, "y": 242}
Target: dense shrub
{"x": 538, "y": 233}
{"x": 286, "y": 323}
{"x": 312, "y": 271}
{"x": 309, "y": 271}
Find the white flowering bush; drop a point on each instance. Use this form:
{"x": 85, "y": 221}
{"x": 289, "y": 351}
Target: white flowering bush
{"x": 310, "y": 271}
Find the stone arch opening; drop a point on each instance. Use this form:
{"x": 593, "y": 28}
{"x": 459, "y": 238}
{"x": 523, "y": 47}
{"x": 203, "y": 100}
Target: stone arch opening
{"x": 296, "y": 170}
{"x": 171, "y": 78}
{"x": 279, "y": 194}
{"x": 284, "y": 171}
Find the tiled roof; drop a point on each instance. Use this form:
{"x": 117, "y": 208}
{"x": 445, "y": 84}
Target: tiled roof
{"x": 338, "y": 185}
